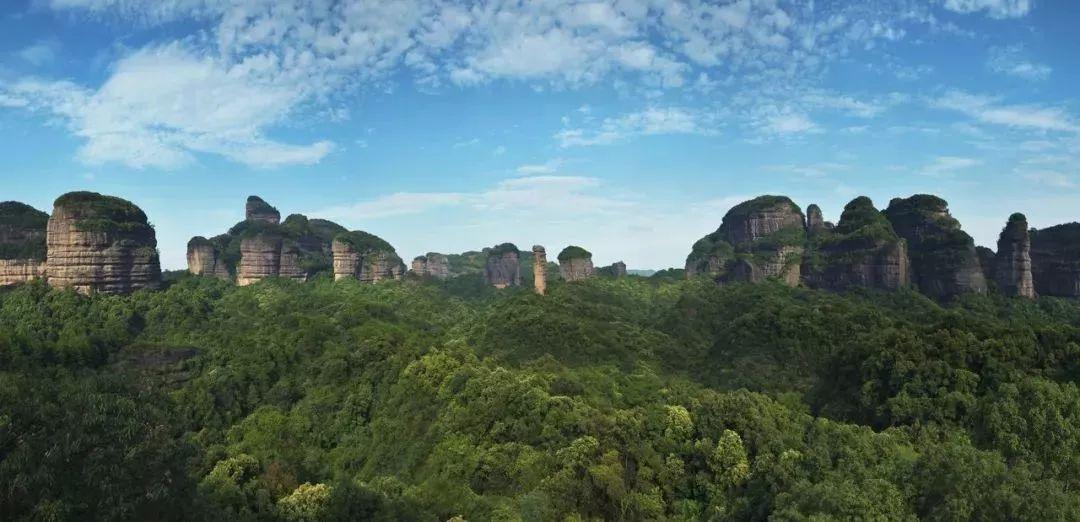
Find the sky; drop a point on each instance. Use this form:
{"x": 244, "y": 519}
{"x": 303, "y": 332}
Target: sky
{"x": 628, "y": 127}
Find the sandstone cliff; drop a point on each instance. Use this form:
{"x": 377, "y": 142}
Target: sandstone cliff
{"x": 432, "y": 264}
{"x": 616, "y": 270}
{"x": 863, "y": 250}
{"x": 22, "y": 242}
{"x": 1055, "y": 260}
{"x": 575, "y": 264}
{"x": 539, "y": 269}
{"x": 502, "y": 268}
{"x": 100, "y": 243}
{"x": 1012, "y": 264}
{"x": 759, "y": 238}
{"x": 204, "y": 258}
{"x": 261, "y": 211}
{"x": 303, "y": 247}
{"x": 944, "y": 262}
{"x": 815, "y": 223}
{"x": 366, "y": 257}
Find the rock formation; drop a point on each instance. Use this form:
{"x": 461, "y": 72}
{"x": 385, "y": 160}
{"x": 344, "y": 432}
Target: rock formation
{"x": 99, "y": 243}
{"x": 767, "y": 232}
{"x": 303, "y": 247}
{"x": 366, "y": 257}
{"x": 502, "y": 266}
{"x": 1055, "y": 260}
{"x": 204, "y": 259}
{"x": 22, "y": 243}
{"x": 618, "y": 269}
{"x": 1012, "y": 264}
{"x": 432, "y": 264}
{"x": 815, "y": 223}
{"x": 943, "y": 258}
{"x": 260, "y": 211}
{"x": 539, "y": 269}
{"x": 863, "y": 250}
{"x": 575, "y": 264}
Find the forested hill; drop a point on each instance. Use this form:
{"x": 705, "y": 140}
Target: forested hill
{"x": 609, "y": 399}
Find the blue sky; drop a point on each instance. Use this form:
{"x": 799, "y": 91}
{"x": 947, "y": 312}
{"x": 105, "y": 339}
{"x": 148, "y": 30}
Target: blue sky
{"x": 628, "y": 127}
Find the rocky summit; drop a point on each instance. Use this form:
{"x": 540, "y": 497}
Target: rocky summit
{"x": 1012, "y": 263}
{"x": 432, "y": 264}
{"x": 22, "y": 242}
{"x": 1055, "y": 260}
{"x": 863, "y": 250}
{"x": 757, "y": 239}
{"x": 502, "y": 266}
{"x": 100, "y": 243}
{"x": 944, "y": 262}
{"x": 575, "y": 264}
{"x": 366, "y": 257}
{"x": 262, "y": 246}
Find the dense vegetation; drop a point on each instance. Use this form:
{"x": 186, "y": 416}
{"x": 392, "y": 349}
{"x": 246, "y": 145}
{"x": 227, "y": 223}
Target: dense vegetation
{"x": 109, "y": 214}
{"x": 22, "y": 231}
{"x": 628, "y": 399}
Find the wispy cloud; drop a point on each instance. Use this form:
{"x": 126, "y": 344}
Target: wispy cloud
{"x": 989, "y": 110}
{"x": 649, "y": 122}
{"x": 945, "y": 165}
{"x": 1050, "y": 178}
{"x": 548, "y": 167}
{"x": 993, "y": 8}
{"x": 1013, "y": 61}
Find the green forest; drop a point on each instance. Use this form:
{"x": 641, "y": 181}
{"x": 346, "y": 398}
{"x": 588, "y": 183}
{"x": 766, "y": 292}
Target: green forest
{"x": 609, "y": 399}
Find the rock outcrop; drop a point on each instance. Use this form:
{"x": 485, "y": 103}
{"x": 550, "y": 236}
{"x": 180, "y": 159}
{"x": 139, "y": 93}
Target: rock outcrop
{"x": 863, "y": 250}
{"x": 432, "y": 264}
{"x": 204, "y": 259}
{"x": 366, "y": 257}
{"x": 815, "y": 223}
{"x": 22, "y": 243}
{"x": 502, "y": 268}
{"x": 575, "y": 264}
{"x": 1055, "y": 260}
{"x": 99, "y": 243}
{"x": 760, "y": 238}
{"x": 618, "y": 269}
{"x": 304, "y": 247}
{"x": 260, "y": 211}
{"x": 944, "y": 262}
{"x": 539, "y": 269}
{"x": 1012, "y": 264}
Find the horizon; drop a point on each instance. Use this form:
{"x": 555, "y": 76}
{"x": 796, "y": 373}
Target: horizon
{"x": 628, "y": 128}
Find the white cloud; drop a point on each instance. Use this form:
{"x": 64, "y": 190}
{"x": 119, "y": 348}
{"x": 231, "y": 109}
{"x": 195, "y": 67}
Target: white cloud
{"x": 648, "y": 122}
{"x": 1050, "y": 178}
{"x": 397, "y": 204}
{"x": 40, "y": 53}
{"x": 993, "y": 8}
{"x": 988, "y": 110}
{"x": 945, "y": 165}
{"x": 787, "y": 123}
{"x": 161, "y": 105}
{"x": 548, "y": 167}
{"x": 1012, "y": 61}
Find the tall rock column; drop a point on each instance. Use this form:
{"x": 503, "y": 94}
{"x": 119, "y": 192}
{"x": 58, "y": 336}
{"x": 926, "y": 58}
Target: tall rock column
{"x": 100, "y": 243}
{"x": 1013, "y": 260}
{"x": 260, "y": 211}
{"x": 502, "y": 268}
{"x": 539, "y": 269}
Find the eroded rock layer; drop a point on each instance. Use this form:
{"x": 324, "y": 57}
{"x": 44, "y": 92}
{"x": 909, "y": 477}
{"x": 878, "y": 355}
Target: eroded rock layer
{"x": 14, "y": 271}
{"x": 1012, "y": 264}
{"x": 575, "y": 264}
{"x": 944, "y": 262}
{"x": 539, "y": 269}
{"x": 432, "y": 264}
{"x": 1055, "y": 260}
{"x": 366, "y": 257}
{"x": 502, "y": 268}
{"x": 863, "y": 250}
{"x": 260, "y": 258}
{"x": 261, "y": 211}
{"x": 204, "y": 259}
{"x": 100, "y": 243}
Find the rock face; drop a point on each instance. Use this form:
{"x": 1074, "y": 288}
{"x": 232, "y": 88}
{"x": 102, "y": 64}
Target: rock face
{"x": 432, "y": 264}
{"x": 14, "y": 271}
{"x": 944, "y": 262}
{"x": 1012, "y": 264}
{"x": 863, "y": 250}
{"x": 304, "y": 247}
{"x": 815, "y": 223}
{"x": 760, "y": 238}
{"x": 575, "y": 264}
{"x": 203, "y": 259}
{"x": 502, "y": 268}
{"x": 1055, "y": 260}
{"x": 366, "y": 257}
{"x": 22, "y": 243}
{"x": 539, "y": 269}
{"x": 618, "y": 269}
{"x": 261, "y": 211}
{"x": 100, "y": 243}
